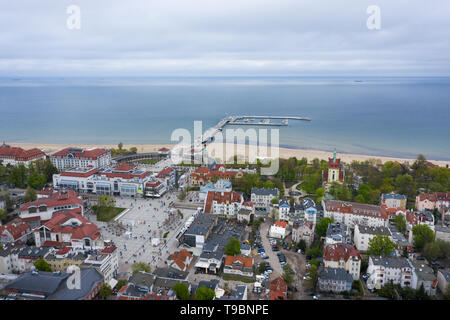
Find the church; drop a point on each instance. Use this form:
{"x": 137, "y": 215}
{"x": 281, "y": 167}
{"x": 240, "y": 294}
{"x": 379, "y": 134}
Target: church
{"x": 335, "y": 172}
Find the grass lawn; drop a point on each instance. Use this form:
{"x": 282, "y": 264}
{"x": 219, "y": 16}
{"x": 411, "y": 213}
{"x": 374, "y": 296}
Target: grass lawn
{"x": 107, "y": 214}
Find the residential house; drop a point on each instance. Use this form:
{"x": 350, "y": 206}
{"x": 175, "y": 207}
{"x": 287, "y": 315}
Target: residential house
{"x": 383, "y": 270}
{"x": 334, "y": 279}
{"x": 14, "y": 232}
{"x": 218, "y": 186}
{"x": 338, "y": 232}
{"x": 424, "y": 275}
{"x": 180, "y": 260}
{"x": 431, "y": 201}
{"x": 278, "y": 230}
{"x": 393, "y": 200}
{"x": 278, "y": 289}
{"x": 303, "y": 230}
{"x": 223, "y": 203}
{"x": 262, "y": 198}
{"x": 342, "y": 255}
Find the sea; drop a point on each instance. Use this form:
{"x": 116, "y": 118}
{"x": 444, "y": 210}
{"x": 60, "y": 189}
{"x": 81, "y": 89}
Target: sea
{"x": 393, "y": 116}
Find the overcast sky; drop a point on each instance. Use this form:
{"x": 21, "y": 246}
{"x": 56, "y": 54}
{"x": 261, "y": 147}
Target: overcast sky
{"x": 230, "y": 37}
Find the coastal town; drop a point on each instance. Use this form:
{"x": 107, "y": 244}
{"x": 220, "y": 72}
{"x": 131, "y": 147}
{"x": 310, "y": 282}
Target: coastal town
{"x": 135, "y": 226}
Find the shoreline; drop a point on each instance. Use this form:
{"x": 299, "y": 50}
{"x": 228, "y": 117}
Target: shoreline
{"x": 284, "y": 153}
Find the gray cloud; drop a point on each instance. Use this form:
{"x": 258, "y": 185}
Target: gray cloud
{"x": 169, "y": 37}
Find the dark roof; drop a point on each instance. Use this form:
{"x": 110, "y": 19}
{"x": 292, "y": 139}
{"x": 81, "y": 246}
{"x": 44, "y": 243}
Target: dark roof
{"x": 264, "y": 191}
{"x": 337, "y": 274}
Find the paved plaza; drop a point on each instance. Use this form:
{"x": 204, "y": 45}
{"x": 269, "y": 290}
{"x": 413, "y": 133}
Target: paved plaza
{"x": 145, "y": 219}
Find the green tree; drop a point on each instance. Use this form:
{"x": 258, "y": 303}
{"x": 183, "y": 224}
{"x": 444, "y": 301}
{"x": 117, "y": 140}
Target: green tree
{"x": 381, "y": 246}
{"x": 182, "y": 291}
{"x": 121, "y": 283}
{"x": 233, "y": 247}
{"x": 405, "y": 184}
{"x": 287, "y": 277}
{"x": 400, "y": 223}
{"x": 140, "y": 266}
{"x": 36, "y": 180}
{"x": 18, "y": 175}
{"x": 322, "y": 226}
{"x": 422, "y": 235}
{"x": 106, "y": 202}
{"x": 432, "y": 251}
{"x": 120, "y": 146}
{"x": 204, "y": 293}
{"x": 105, "y": 291}
{"x": 302, "y": 245}
{"x": 42, "y": 265}
{"x": 30, "y": 195}
{"x": 447, "y": 292}
{"x": 274, "y": 201}
{"x": 133, "y": 150}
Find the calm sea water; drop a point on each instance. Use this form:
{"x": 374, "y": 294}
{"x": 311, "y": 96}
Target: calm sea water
{"x": 377, "y": 116}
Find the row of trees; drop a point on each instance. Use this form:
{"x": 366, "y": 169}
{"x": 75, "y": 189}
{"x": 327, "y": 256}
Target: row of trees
{"x": 35, "y": 176}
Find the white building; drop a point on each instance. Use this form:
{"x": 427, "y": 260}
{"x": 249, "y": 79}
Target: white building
{"x": 352, "y": 213}
{"x": 303, "y": 230}
{"x": 363, "y": 235}
{"x": 123, "y": 180}
{"x": 278, "y": 230}
{"x": 223, "y": 203}
{"x": 283, "y": 210}
{"x": 81, "y": 158}
{"x": 14, "y": 156}
{"x": 383, "y": 270}
{"x": 393, "y": 200}
{"x": 107, "y": 262}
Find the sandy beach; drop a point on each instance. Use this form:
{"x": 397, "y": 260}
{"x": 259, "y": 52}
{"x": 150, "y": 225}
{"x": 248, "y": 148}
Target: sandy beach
{"x": 283, "y": 152}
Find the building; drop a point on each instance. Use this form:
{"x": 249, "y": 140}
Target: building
{"x": 352, "y": 213}
{"x": 416, "y": 218}
{"x": 69, "y": 228}
{"x": 14, "y": 232}
{"x": 335, "y": 172}
{"x": 39, "y": 285}
{"x": 240, "y": 293}
{"x": 223, "y": 203}
{"x": 158, "y": 185}
{"x": 363, "y": 235}
{"x": 14, "y": 156}
{"x": 218, "y": 186}
{"x": 338, "y": 232}
{"x": 443, "y": 278}
{"x": 81, "y": 158}
{"x": 242, "y": 266}
{"x": 303, "y": 230}
{"x": 18, "y": 258}
{"x": 283, "y": 210}
{"x": 393, "y": 200}
{"x": 180, "y": 260}
{"x": 43, "y": 209}
{"x": 431, "y": 201}
{"x": 345, "y": 256}
{"x": 442, "y": 232}
{"x": 123, "y": 180}
{"x": 424, "y": 275}
{"x": 278, "y": 230}
{"x": 262, "y": 198}
{"x": 393, "y": 212}
{"x": 278, "y": 289}
{"x": 246, "y": 249}
{"x": 383, "y": 270}
{"x": 334, "y": 280}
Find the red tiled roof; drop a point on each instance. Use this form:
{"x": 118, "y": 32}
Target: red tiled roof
{"x": 19, "y": 154}
{"x": 246, "y": 261}
{"x": 85, "y": 154}
{"x": 164, "y": 172}
{"x": 334, "y": 164}
{"x": 278, "y": 289}
{"x": 84, "y": 174}
{"x": 355, "y": 208}
{"x": 63, "y": 250}
{"x": 221, "y": 197}
{"x": 391, "y": 212}
{"x": 46, "y": 191}
{"x": 164, "y": 150}
{"x": 87, "y": 229}
{"x": 55, "y": 200}
{"x": 109, "y": 249}
{"x": 179, "y": 258}
{"x": 282, "y": 224}
{"x": 123, "y": 167}
{"x": 338, "y": 251}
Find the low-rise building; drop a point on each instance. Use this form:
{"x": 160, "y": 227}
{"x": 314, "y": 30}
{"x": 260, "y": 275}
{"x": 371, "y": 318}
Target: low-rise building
{"x": 180, "y": 260}
{"x": 278, "y": 230}
{"x": 345, "y": 256}
{"x": 363, "y": 235}
{"x": 442, "y": 232}
{"x": 218, "y": 186}
{"x": 54, "y": 286}
{"x": 334, "y": 280}
{"x": 15, "y": 232}
{"x": 246, "y": 249}
{"x": 283, "y": 210}
{"x": 393, "y": 200}
{"x": 383, "y": 270}
{"x": 424, "y": 275}
{"x": 303, "y": 230}
{"x": 278, "y": 289}
{"x": 69, "y": 228}
{"x": 431, "y": 201}
{"x": 242, "y": 266}
{"x": 205, "y": 175}
{"x": 15, "y": 259}
{"x": 443, "y": 278}
{"x": 42, "y": 210}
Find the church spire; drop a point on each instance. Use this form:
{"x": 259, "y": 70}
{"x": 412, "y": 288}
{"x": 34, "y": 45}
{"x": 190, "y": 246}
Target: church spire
{"x": 334, "y": 156}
